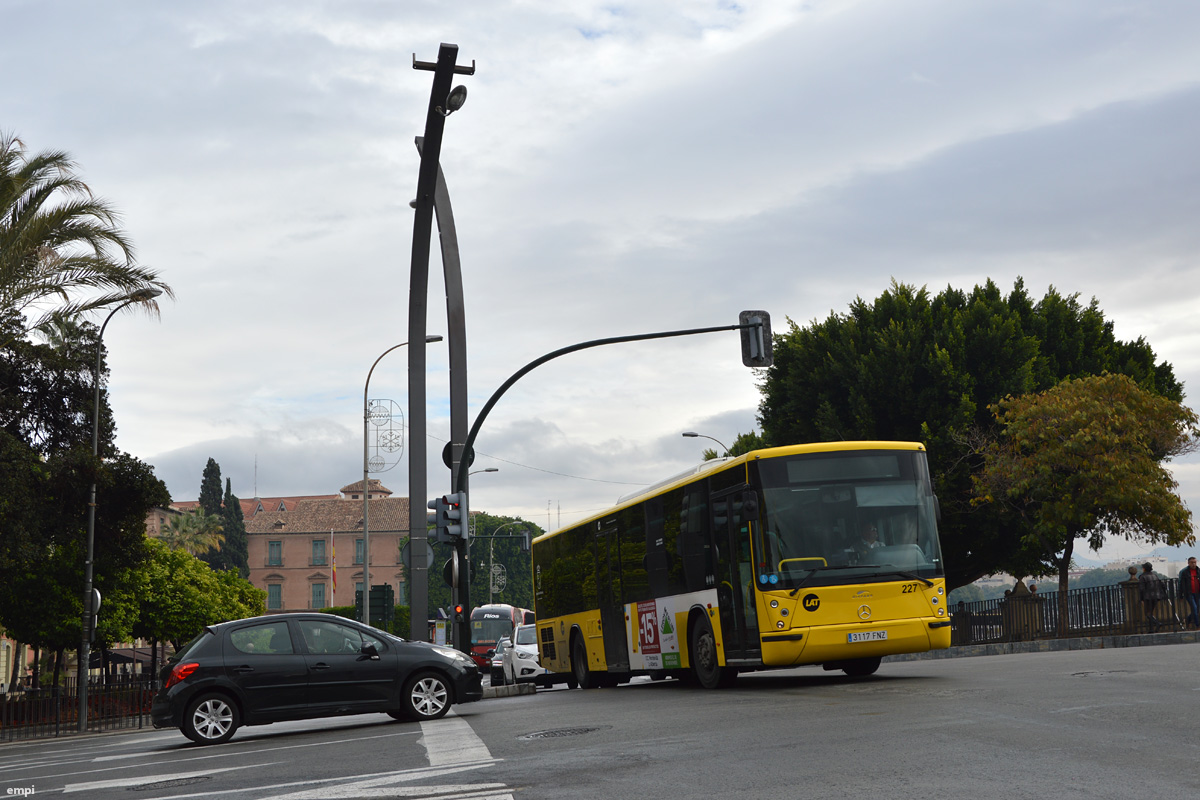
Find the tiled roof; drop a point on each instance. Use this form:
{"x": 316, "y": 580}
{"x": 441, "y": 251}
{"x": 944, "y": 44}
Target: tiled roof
{"x": 377, "y": 487}
{"x": 250, "y": 506}
{"x": 387, "y": 514}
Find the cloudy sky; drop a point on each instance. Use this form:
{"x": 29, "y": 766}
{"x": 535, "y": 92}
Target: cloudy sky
{"x": 618, "y": 168}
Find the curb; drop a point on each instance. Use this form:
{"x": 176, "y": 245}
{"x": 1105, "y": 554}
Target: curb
{"x": 1054, "y": 645}
{"x": 512, "y": 690}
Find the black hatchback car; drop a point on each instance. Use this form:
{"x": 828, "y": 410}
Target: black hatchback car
{"x": 299, "y": 666}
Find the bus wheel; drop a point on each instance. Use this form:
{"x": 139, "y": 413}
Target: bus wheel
{"x": 579, "y": 666}
{"x": 705, "y": 666}
{"x": 861, "y": 666}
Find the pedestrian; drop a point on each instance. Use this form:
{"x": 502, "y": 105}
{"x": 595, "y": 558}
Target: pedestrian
{"x": 1189, "y": 587}
{"x": 1150, "y": 588}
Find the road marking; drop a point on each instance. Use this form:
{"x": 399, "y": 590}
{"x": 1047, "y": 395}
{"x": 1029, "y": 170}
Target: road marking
{"x": 234, "y": 749}
{"x": 364, "y": 786}
{"x": 118, "y": 783}
{"x": 452, "y": 741}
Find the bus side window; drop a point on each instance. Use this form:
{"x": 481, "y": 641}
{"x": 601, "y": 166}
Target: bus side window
{"x": 657, "y": 554}
{"x": 694, "y": 548}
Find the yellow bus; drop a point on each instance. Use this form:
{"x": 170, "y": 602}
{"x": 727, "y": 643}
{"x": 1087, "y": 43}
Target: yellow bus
{"x": 809, "y": 554}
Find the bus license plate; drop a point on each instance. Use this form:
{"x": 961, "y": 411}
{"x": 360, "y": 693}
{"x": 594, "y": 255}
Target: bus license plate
{"x": 867, "y": 636}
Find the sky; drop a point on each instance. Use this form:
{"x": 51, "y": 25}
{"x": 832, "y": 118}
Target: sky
{"x": 618, "y": 168}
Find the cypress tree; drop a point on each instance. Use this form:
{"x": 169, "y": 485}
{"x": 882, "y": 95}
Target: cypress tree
{"x": 235, "y": 551}
{"x": 210, "y": 488}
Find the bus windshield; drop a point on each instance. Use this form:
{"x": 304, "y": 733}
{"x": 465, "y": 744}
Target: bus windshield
{"x": 853, "y": 517}
{"x": 490, "y": 630}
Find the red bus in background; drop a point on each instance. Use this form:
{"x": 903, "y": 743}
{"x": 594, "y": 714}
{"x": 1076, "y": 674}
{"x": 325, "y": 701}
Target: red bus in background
{"x": 490, "y": 624}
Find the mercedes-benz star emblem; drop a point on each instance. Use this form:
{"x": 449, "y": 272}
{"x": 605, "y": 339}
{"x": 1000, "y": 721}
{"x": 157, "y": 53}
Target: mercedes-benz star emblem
{"x": 864, "y": 611}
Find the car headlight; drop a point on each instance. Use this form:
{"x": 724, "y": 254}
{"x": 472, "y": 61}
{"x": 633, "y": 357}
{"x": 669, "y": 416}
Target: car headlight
{"x": 454, "y": 655}
{"x": 526, "y": 655}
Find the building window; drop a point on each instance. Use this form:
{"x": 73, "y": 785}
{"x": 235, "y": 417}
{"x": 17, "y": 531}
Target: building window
{"x": 318, "y": 552}
{"x": 318, "y": 595}
{"x": 274, "y": 596}
{"x": 274, "y": 554}
{"x": 358, "y": 551}
{"x": 401, "y": 597}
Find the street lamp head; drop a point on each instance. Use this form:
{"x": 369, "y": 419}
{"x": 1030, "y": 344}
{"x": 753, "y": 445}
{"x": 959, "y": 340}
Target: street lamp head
{"x": 142, "y": 295}
{"x": 437, "y": 337}
{"x": 691, "y": 434}
{"x": 454, "y": 100}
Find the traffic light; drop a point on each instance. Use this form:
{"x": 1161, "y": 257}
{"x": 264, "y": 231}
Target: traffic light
{"x": 453, "y": 503}
{"x": 448, "y": 517}
{"x": 439, "y": 518}
{"x": 459, "y": 613}
{"x": 757, "y": 347}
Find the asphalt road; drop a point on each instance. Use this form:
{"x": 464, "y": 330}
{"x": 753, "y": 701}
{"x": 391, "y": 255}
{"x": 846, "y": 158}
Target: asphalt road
{"x": 1079, "y": 724}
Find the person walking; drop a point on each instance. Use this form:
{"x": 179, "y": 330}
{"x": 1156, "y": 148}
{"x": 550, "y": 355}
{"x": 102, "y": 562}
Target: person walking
{"x": 1150, "y": 588}
{"x": 1189, "y": 587}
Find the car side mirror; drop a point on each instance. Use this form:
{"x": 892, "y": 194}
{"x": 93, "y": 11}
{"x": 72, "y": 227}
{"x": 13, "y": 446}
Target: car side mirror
{"x": 370, "y": 650}
{"x": 491, "y": 653}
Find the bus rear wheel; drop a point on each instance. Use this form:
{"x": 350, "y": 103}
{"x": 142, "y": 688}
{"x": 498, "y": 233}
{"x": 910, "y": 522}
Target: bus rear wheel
{"x": 706, "y": 667}
{"x": 861, "y": 667}
{"x": 579, "y": 666}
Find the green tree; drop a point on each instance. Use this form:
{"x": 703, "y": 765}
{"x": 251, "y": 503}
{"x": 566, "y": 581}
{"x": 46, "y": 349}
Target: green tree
{"x": 61, "y": 251}
{"x": 180, "y": 594}
{"x": 210, "y": 488}
{"x": 1084, "y": 460}
{"x": 194, "y": 532}
{"x": 234, "y": 550}
{"x": 918, "y": 367}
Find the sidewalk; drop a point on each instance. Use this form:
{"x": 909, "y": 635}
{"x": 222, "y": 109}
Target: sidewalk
{"x": 1055, "y": 645}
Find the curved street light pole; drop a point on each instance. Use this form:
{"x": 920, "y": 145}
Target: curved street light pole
{"x": 366, "y": 480}
{"x": 85, "y": 646}
{"x": 694, "y": 435}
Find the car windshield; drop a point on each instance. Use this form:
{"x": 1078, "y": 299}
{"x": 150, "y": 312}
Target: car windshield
{"x": 846, "y": 518}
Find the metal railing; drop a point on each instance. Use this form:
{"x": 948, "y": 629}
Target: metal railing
{"x": 1095, "y": 611}
{"x": 50, "y": 711}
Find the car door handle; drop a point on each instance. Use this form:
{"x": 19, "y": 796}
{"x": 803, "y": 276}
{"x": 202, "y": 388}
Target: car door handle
{"x": 243, "y": 668}
{"x": 321, "y": 665}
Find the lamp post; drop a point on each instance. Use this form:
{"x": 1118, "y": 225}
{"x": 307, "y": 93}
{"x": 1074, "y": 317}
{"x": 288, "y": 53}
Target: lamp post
{"x": 366, "y": 480}
{"x": 694, "y": 435}
{"x": 89, "y": 607}
{"x": 433, "y": 197}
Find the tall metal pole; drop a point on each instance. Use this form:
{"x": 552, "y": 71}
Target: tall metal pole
{"x": 431, "y": 146}
{"x": 85, "y": 646}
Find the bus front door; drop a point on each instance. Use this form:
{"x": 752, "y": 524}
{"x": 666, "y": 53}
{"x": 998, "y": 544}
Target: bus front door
{"x": 735, "y": 574}
{"x": 608, "y": 586}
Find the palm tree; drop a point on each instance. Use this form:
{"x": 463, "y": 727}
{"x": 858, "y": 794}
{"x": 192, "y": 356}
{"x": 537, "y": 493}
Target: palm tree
{"x": 193, "y": 531}
{"x": 61, "y": 251}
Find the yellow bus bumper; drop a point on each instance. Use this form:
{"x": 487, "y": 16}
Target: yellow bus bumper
{"x": 818, "y": 645}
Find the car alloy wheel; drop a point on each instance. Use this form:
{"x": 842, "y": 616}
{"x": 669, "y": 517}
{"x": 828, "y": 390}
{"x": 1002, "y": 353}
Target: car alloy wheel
{"x": 210, "y": 719}
{"x": 427, "y": 696}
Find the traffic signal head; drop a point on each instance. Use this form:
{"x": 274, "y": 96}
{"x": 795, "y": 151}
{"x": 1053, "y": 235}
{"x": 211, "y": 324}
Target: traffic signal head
{"x": 458, "y": 613}
{"x": 455, "y": 529}
{"x": 439, "y": 519}
{"x": 757, "y": 348}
